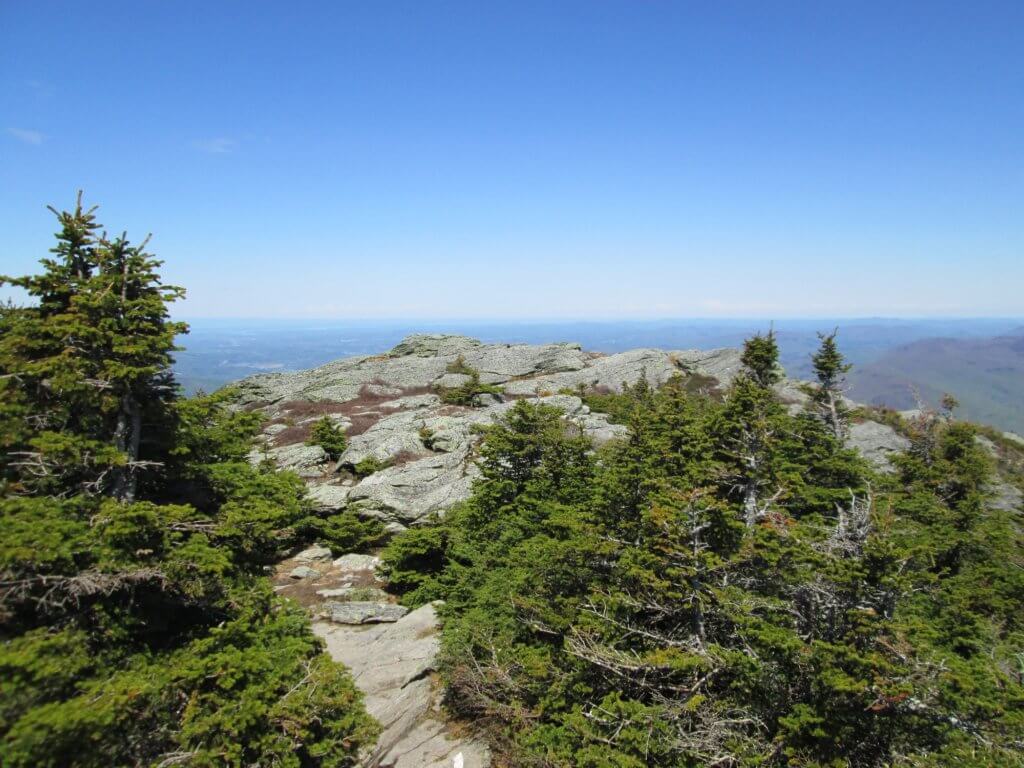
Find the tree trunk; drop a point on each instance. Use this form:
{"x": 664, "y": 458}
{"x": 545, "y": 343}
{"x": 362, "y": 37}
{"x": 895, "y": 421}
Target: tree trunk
{"x": 127, "y": 435}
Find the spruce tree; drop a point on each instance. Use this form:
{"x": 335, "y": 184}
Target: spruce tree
{"x": 136, "y": 624}
{"x": 830, "y": 368}
{"x": 91, "y": 361}
{"x": 750, "y": 424}
{"x": 761, "y": 359}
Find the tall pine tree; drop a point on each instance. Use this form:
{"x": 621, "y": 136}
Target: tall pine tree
{"x": 91, "y": 360}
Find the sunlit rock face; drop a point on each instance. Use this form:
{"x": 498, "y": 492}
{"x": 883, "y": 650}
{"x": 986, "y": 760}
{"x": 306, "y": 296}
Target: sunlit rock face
{"x": 411, "y": 455}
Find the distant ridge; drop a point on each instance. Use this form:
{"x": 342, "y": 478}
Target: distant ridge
{"x": 985, "y": 374}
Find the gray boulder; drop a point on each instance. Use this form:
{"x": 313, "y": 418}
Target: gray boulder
{"x": 314, "y": 553}
{"x": 305, "y": 460}
{"x": 353, "y": 562}
{"x": 360, "y": 612}
{"x": 876, "y": 442}
{"x": 328, "y": 498}
{"x": 304, "y": 572}
{"x": 410, "y": 492}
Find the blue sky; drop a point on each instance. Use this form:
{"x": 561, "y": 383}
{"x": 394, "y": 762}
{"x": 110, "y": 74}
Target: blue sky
{"x": 531, "y": 159}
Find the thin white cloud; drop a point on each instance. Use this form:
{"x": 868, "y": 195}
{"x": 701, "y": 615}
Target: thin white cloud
{"x": 215, "y": 146}
{"x": 26, "y": 136}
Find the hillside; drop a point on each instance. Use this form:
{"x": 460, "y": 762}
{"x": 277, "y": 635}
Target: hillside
{"x": 986, "y": 375}
{"x": 409, "y": 446}
{"x": 572, "y": 507}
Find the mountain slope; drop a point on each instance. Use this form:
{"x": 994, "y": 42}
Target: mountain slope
{"x": 985, "y": 375}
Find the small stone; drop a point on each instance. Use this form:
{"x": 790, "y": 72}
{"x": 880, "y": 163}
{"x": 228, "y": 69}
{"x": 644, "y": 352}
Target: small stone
{"x": 485, "y": 399}
{"x": 354, "y": 562}
{"x": 336, "y": 592}
{"x": 364, "y": 613}
{"x": 304, "y": 572}
{"x": 316, "y": 552}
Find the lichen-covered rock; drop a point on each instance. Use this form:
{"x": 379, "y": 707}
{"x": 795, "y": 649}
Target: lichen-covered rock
{"x": 335, "y": 592}
{"x": 876, "y": 442}
{"x": 362, "y": 612}
{"x": 304, "y": 572}
{"x": 355, "y": 562}
{"x": 425, "y": 449}
{"x": 305, "y": 460}
{"x": 328, "y": 498}
{"x": 394, "y": 434}
{"x": 1005, "y": 497}
{"x": 410, "y": 492}
{"x": 314, "y": 553}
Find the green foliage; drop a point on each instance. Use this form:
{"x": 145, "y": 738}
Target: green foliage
{"x": 761, "y": 359}
{"x": 328, "y": 436}
{"x": 414, "y": 561}
{"x": 90, "y": 362}
{"x": 135, "y": 625}
{"x": 369, "y": 465}
{"x": 830, "y": 368}
{"x": 239, "y": 695}
{"x": 466, "y": 394}
{"x": 342, "y": 531}
{"x": 727, "y": 585}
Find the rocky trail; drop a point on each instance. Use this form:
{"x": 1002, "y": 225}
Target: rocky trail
{"x": 391, "y": 653}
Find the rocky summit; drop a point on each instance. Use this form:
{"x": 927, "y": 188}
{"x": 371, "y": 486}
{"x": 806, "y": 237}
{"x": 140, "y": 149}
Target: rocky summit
{"x": 410, "y": 449}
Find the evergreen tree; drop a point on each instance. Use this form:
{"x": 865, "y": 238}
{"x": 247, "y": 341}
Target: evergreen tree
{"x": 328, "y": 436}
{"x": 634, "y": 614}
{"x": 761, "y": 359}
{"x": 830, "y": 368}
{"x": 136, "y": 627}
{"x": 91, "y": 361}
{"x": 750, "y": 423}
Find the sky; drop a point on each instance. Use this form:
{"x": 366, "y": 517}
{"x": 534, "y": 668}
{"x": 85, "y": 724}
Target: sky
{"x": 590, "y": 159}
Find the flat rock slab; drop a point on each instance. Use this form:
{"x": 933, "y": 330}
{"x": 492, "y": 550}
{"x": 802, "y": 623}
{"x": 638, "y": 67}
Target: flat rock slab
{"x": 353, "y": 562}
{"x": 359, "y": 612}
{"x": 876, "y": 442}
{"x": 336, "y": 592}
{"x": 349, "y": 593}
{"x": 304, "y": 572}
{"x": 391, "y": 665}
{"x": 314, "y": 553}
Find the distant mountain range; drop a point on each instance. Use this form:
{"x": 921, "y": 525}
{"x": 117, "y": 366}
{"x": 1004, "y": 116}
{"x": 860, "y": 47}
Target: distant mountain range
{"x": 981, "y": 361}
{"x": 986, "y": 375}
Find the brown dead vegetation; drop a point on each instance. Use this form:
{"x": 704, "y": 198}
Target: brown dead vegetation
{"x": 404, "y": 457}
{"x": 362, "y": 411}
{"x": 296, "y": 433}
{"x": 298, "y": 410}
